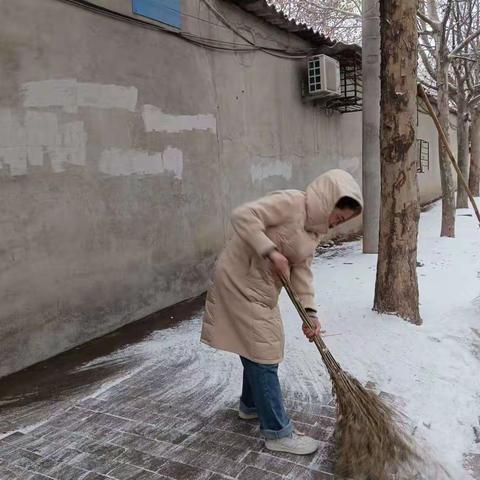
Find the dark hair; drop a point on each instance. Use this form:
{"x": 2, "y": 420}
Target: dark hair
{"x": 350, "y": 203}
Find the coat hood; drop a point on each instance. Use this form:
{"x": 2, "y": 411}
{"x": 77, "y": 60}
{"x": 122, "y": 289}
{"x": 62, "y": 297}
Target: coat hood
{"x": 323, "y": 194}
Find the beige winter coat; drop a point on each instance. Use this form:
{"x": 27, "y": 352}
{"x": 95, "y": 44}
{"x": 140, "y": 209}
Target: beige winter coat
{"x": 241, "y": 311}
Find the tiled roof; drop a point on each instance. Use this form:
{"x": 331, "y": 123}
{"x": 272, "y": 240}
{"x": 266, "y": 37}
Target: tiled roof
{"x": 270, "y": 14}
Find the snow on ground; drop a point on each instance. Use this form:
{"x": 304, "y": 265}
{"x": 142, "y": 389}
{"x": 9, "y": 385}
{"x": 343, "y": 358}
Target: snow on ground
{"x": 433, "y": 368}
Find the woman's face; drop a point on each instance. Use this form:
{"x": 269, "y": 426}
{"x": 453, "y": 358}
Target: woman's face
{"x": 339, "y": 216}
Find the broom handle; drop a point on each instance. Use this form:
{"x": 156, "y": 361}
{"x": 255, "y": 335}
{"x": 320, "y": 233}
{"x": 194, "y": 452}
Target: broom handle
{"x": 335, "y": 371}
{"x": 441, "y": 133}
{"x": 322, "y": 348}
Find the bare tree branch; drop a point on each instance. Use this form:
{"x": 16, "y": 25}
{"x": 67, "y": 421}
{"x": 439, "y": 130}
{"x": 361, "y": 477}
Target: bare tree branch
{"x": 427, "y": 64}
{"x": 434, "y": 24}
{"x": 446, "y": 18}
{"x": 474, "y": 101}
{"x": 341, "y": 11}
{"x": 432, "y": 10}
{"x": 462, "y": 45}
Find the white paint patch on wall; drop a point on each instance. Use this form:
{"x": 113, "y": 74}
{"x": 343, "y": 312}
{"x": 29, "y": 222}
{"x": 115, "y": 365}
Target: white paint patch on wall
{"x": 118, "y": 162}
{"x": 41, "y": 128}
{"x": 71, "y": 146}
{"x": 157, "y": 121}
{"x": 12, "y": 133}
{"x": 39, "y": 137}
{"x": 70, "y": 95}
{"x": 262, "y": 171}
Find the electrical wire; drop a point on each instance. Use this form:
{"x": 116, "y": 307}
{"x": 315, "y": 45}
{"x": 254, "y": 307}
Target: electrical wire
{"x": 208, "y": 43}
{"x": 187, "y": 15}
{"x": 267, "y": 50}
{"x": 89, "y": 6}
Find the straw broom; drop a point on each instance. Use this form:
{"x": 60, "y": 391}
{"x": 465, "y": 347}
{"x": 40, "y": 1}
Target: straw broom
{"x": 370, "y": 443}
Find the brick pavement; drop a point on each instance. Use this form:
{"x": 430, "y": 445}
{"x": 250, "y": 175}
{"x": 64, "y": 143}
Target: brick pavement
{"x": 133, "y": 437}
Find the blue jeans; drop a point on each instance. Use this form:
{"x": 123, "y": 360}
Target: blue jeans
{"x": 261, "y": 394}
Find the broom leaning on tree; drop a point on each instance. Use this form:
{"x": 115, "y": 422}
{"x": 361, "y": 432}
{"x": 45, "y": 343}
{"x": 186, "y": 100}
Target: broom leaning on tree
{"x": 274, "y": 237}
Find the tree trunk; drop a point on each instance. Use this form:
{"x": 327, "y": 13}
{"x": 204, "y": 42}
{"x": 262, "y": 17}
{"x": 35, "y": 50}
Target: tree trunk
{"x": 474, "y": 178}
{"x": 446, "y": 175}
{"x": 396, "y": 289}
{"x": 462, "y": 143}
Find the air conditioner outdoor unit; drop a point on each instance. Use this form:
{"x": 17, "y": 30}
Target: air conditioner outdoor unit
{"x": 323, "y": 77}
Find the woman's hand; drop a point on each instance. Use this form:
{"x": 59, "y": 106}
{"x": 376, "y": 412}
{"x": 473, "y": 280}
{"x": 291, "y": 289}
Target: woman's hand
{"x": 280, "y": 264}
{"x": 311, "y": 334}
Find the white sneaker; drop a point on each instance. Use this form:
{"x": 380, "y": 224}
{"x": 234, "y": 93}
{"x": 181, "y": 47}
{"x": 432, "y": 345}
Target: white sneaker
{"x": 247, "y": 416}
{"x": 296, "y": 443}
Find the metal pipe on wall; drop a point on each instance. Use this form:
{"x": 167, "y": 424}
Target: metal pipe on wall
{"x": 371, "y": 124}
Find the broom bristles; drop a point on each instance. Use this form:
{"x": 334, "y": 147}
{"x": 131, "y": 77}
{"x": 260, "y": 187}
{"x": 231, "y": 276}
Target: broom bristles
{"x": 370, "y": 442}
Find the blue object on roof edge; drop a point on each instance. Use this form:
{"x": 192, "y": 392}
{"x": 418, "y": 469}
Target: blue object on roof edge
{"x": 165, "y": 11}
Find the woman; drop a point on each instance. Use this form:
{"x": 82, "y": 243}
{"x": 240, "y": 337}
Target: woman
{"x": 276, "y": 235}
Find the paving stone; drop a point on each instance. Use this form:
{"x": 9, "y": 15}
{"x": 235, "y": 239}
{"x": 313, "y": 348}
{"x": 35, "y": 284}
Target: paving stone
{"x": 311, "y": 408}
{"x": 304, "y": 460}
{"x": 70, "y": 418}
{"x": 301, "y": 473}
{"x": 181, "y": 471}
{"x": 64, "y": 454}
{"x": 30, "y": 460}
{"x": 11, "y": 456}
{"x": 16, "y": 438}
{"x": 88, "y": 446}
{"x": 64, "y": 437}
{"x": 126, "y": 472}
{"x": 66, "y": 472}
{"x": 472, "y": 462}
{"x": 237, "y": 440}
{"x": 150, "y": 476}
{"x": 156, "y": 433}
{"x": 43, "y": 430}
{"x": 324, "y": 459}
{"x": 228, "y": 420}
{"x": 46, "y": 466}
{"x": 6, "y": 447}
{"x": 94, "y": 404}
{"x": 142, "y": 460}
{"x": 11, "y": 472}
{"x": 317, "y": 432}
{"x": 186, "y": 425}
{"x": 268, "y": 462}
{"x": 97, "y": 464}
{"x": 136, "y": 442}
{"x": 105, "y": 420}
{"x": 43, "y": 446}
{"x": 222, "y": 450}
{"x": 206, "y": 461}
{"x": 252, "y": 473}
{"x": 93, "y": 476}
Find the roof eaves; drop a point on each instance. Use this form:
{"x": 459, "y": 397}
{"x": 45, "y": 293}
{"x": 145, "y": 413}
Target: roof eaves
{"x": 270, "y": 14}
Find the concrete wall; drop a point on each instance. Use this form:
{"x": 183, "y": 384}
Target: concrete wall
{"x": 123, "y": 151}
{"x": 429, "y": 181}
